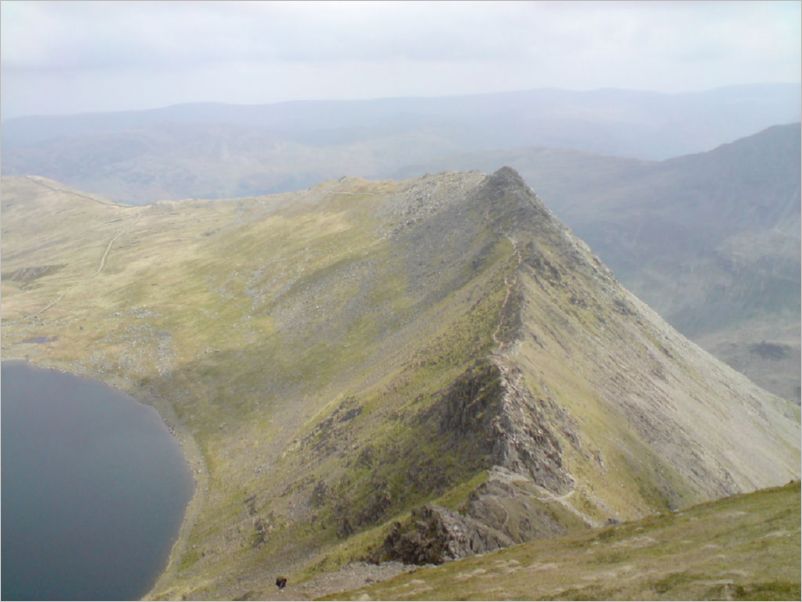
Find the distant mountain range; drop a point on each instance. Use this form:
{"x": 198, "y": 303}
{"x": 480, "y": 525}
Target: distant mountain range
{"x": 216, "y": 151}
{"x": 412, "y": 370}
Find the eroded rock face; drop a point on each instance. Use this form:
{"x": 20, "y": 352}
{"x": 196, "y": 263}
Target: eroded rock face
{"x": 511, "y": 428}
{"x": 525, "y": 435}
{"x": 507, "y": 509}
{"x": 435, "y": 534}
{"x": 470, "y": 405}
{"x": 516, "y": 435}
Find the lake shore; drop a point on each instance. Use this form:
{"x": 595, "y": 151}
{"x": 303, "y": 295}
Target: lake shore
{"x": 189, "y": 449}
{"x": 197, "y": 465}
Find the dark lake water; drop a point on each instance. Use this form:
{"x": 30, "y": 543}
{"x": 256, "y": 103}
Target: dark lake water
{"x": 94, "y": 488}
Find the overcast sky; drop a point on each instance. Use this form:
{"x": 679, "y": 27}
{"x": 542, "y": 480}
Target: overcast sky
{"x": 67, "y": 57}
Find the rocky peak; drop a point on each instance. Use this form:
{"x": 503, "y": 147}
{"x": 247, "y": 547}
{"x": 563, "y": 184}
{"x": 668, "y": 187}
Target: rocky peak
{"x": 513, "y": 210}
{"x": 507, "y": 176}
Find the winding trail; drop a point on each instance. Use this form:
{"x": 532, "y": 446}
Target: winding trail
{"x": 510, "y": 283}
{"x": 106, "y": 252}
{"x": 548, "y": 496}
{"x": 48, "y": 306}
{"x": 100, "y": 267}
{"x": 545, "y": 496}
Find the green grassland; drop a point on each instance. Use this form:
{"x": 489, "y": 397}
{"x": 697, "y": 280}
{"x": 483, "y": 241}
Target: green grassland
{"x": 745, "y": 547}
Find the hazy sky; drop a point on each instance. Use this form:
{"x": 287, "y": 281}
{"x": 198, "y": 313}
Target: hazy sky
{"x": 66, "y": 57}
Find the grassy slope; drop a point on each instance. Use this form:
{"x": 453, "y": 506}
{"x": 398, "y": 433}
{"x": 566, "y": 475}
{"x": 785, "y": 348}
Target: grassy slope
{"x": 303, "y": 344}
{"x": 744, "y": 547}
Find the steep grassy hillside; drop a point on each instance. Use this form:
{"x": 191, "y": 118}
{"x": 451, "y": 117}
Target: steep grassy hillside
{"x": 711, "y": 241}
{"x": 414, "y": 370}
{"x": 740, "y": 548}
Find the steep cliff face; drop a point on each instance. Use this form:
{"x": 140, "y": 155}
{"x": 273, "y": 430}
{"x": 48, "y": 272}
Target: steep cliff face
{"x": 417, "y": 370}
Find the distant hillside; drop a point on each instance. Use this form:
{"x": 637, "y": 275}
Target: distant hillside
{"x": 218, "y": 151}
{"x": 709, "y": 240}
{"x": 413, "y": 370}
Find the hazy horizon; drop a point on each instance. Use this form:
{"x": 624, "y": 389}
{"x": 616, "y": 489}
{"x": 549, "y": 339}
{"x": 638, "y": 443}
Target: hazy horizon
{"x": 61, "y": 58}
{"x": 201, "y": 102}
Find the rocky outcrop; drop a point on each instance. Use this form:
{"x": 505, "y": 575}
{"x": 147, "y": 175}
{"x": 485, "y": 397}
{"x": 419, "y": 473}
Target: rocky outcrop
{"x": 514, "y": 506}
{"x": 507, "y": 426}
{"x": 514, "y": 435}
{"x": 525, "y": 439}
{"x": 435, "y": 534}
{"x": 507, "y": 509}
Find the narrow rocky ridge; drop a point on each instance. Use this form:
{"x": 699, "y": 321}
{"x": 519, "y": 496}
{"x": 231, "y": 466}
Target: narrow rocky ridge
{"x": 529, "y": 434}
{"x": 526, "y": 455}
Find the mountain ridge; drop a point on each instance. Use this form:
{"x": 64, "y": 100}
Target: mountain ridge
{"x": 348, "y": 354}
{"x": 721, "y": 227}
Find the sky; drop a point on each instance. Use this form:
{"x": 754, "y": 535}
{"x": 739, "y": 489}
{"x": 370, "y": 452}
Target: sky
{"x": 72, "y": 57}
